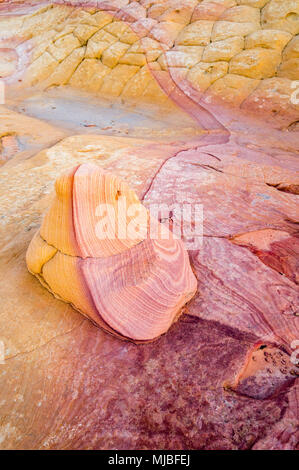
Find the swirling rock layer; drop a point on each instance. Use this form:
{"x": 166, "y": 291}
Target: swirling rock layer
{"x": 132, "y": 287}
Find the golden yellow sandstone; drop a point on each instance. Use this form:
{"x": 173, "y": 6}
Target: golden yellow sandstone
{"x": 115, "y": 81}
{"x": 255, "y": 63}
{"x": 64, "y": 71}
{"x": 242, "y": 14}
{"x": 289, "y": 69}
{"x": 148, "y": 46}
{"x": 196, "y": 34}
{"x": 49, "y": 17}
{"x": 223, "y": 50}
{"x": 117, "y": 28}
{"x": 99, "y": 42}
{"x": 179, "y": 13}
{"x": 83, "y": 32}
{"x": 64, "y": 46}
{"x": 167, "y": 32}
{"x": 204, "y": 74}
{"x": 232, "y": 89}
{"x": 253, "y": 3}
{"x": 268, "y": 38}
{"x": 226, "y": 29}
{"x": 40, "y": 69}
{"x": 89, "y": 75}
{"x": 39, "y": 253}
{"x": 292, "y": 49}
{"x": 113, "y": 53}
{"x": 281, "y": 14}
{"x": 136, "y": 86}
{"x": 132, "y": 58}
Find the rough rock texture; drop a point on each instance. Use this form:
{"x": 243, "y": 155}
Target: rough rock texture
{"x": 224, "y": 376}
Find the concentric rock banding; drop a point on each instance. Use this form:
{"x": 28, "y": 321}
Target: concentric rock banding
{"x": 133, "y": 287}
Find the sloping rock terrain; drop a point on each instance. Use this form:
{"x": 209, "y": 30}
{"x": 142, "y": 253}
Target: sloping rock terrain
{"x": 190, "y": 101}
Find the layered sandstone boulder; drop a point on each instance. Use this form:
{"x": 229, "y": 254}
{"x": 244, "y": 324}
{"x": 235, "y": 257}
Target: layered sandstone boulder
{"x": 224, "y": 375}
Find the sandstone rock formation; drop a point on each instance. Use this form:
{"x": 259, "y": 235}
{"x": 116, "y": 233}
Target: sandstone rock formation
{"x": 125, "y": 280}
{"x": 224, "y": 375}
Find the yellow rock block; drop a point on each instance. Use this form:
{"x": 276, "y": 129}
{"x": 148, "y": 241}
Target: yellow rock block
{"x": 155, "y": 11}
{"x": 95, "y": 49}
{"x": 204, "y": 74}
{"x": 79, "y": 15}
{"x": 41, "y": 43}
{"x": 117, "y": 29}
{"x": 268, "y": 38}
{"x": 255, "y": 63}
{"x": 89, "y": 75}
{"x": 233, "y": 89}
{"x": 136, "y": 86}
{"x": 46, "y": 19}
{"x": 61, "y": 30}
{"x": 292, "y": 49}
{"x": 113, "y": 53}
{"x": 83, "y": 32}
{"x": 148, "y": 46}
{"x": 289, "y": 69}
{"x": 63, "y": 47}
{"x": 99, "y": 42}
{"x": 226, "y": 29}
{"x": 116, "y": 80}
{"x": 167, "y": 32}
{"x": 176, "y": 58}
{"x": 129, "y": 37}
{"x": 253, "y": 3}
{"x": 196, "y": 34}
{"x": 281, "y": 14}
{"x": 242, "y": 14}
{"x": 65, "y": 69}
{"x": 100, "y": 19}
{"x": 192, "y": 51}
{"x": 40, "y": 69}
{"x": 162, "y": 62}
{"x": 131, "y": 58}
{"x": 153, "y": 93}
{"x": 223, "y": 50}
{"x": 180, "y": 13}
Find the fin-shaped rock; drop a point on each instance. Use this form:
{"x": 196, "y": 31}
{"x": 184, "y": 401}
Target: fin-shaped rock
{"x": 96, "y": 251}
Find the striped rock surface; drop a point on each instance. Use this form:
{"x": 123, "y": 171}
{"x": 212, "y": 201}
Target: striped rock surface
{"x": 133, "y": 287}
